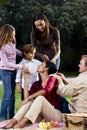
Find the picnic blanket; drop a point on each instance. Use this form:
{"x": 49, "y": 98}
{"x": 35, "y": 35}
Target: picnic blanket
{"x": 31, "y": 127}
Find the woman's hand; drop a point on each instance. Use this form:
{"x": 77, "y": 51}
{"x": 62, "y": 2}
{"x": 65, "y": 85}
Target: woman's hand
{"x": 44, "y": 57}
{"x": 23, "y": 102}
{"x": 53, "y": 60}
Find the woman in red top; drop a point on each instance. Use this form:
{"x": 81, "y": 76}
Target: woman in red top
{"x": 43, "y": 99}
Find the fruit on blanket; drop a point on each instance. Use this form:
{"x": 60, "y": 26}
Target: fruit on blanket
{"x": 48, "y": 125}
{"x": 51, "y": 124}
{"x": 56, "y": 124}
{"x": 43, "y": 125}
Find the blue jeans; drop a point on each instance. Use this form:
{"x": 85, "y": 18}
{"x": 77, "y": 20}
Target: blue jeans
{"x": 8, "y": 101}
{"x": 65, "y": 103}
{"x": 58, "y": 63}
{"x": 0, "y": 73}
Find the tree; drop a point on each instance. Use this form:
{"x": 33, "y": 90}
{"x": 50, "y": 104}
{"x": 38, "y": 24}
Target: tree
{"x": 69, "y": 16}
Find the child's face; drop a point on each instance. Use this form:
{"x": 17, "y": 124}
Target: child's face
{"x": 12, "y": 36}
{"x": 30, "y": 56}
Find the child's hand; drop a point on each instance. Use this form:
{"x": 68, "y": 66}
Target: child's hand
{"x": 25, "y": 69}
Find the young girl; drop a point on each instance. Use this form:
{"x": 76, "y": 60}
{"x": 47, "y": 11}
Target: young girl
{"x": 46, "y": 38}
{"x": 8, "y": 67}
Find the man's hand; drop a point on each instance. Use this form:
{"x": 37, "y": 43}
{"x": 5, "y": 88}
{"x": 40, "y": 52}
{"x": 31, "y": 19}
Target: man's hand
{"x": 57, "y": 77}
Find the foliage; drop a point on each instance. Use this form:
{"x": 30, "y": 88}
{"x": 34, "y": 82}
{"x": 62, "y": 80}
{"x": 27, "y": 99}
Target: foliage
{"x": 69, "y": 16}
{"x": 4, "y": 2}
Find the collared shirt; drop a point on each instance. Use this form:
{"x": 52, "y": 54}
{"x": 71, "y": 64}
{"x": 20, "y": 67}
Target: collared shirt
{"x": 8, "y": 57}
{"x": 77, "y": 88}
{"x": 32, "y": 66}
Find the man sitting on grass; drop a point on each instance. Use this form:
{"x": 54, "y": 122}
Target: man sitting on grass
{"x": 77, "y": 88}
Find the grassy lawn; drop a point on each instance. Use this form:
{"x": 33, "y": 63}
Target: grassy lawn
{"x": 17, "y": 97}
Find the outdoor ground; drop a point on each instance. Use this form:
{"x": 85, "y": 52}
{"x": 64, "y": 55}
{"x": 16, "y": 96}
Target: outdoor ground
{"x": 31, "y": 127}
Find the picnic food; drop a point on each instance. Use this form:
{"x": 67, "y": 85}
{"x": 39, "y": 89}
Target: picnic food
{"x": 48, "y": 125}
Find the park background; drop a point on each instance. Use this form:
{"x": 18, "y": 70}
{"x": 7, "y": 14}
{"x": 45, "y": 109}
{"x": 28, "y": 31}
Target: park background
{"x": 69, "y": 16}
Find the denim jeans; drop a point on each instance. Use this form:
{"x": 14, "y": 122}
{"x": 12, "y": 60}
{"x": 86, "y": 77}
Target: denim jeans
{"x": 0, "y": 73}
{"x": 58, "y": 63}
{"x": 65, "y": 103}
{"x": 8, "y": 100}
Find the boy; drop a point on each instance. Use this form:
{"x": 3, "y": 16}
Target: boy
{"x": 24, "y": 81}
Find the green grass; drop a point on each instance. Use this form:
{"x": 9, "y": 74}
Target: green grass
{"x": 17, "y": 98}
{"x": 18, "y": 95}
{"x": 68, "y": 98}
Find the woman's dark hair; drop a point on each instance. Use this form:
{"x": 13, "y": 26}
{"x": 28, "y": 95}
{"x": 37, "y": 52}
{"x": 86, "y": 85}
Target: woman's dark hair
{"x": 36, "y": 34}
{"x": 51, "y": 67}
{"x": 41, "y": 16}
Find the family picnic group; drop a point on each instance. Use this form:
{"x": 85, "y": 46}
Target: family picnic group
{"x": 43, "y": 88}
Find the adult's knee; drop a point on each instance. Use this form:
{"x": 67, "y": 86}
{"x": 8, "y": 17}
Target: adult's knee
{"x": 40, "y": 97}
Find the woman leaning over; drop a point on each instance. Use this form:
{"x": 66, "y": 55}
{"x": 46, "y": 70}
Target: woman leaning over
{"x": 46, "y": 38}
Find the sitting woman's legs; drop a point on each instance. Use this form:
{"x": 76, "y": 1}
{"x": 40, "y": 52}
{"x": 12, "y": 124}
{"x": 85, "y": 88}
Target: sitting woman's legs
{"x": 22, "y": 122}
{"x": 39, "y": 105}
{"x": 19, "y": 115}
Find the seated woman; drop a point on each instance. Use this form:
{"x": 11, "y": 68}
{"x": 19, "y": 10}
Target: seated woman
{"x": 43, "y": 99}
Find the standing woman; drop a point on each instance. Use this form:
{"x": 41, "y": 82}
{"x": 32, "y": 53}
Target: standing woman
{"x": 46, "y": 38}
{"x": 8, "y": 68}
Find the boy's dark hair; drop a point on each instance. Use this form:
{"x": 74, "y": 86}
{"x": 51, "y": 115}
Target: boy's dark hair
{"x": 28, "y": 48}
{"x": 51, "y": 67}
